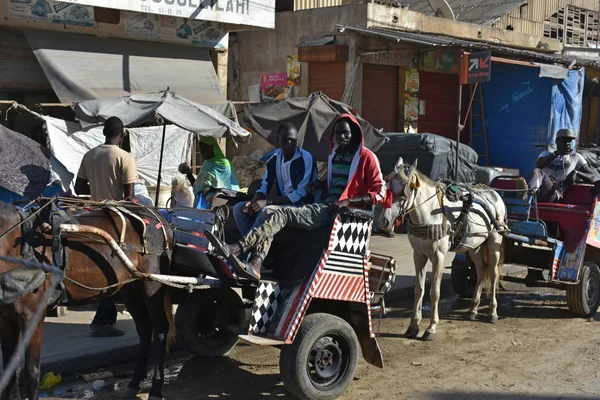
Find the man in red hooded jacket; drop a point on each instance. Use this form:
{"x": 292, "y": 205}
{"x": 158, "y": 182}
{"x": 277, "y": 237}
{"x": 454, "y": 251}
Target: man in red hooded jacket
{"x": 354, "y": 179}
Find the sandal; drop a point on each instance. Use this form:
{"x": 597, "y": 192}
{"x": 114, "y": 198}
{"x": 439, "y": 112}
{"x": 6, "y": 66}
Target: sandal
{"x": 219, "y": 246}
{"x": 242, "y": 269}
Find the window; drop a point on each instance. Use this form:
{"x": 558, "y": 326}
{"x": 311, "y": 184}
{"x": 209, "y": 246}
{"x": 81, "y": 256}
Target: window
{"x": 573, "y": 26}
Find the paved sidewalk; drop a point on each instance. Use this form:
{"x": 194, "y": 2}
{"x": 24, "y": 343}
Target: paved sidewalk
{"x": 69, "y": 348}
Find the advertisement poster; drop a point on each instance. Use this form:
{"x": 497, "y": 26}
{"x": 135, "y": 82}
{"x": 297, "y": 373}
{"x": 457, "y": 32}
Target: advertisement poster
{"x": 411, "y": 100}
{"x": 56, "y": 12}
{"x": 293, "y": 71}
{"x": 175, "y": 29}
{"x": 442, "y": 60}
{"x": 273, "y": 87}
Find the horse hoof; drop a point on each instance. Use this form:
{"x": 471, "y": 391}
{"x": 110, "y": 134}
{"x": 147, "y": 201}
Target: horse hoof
{"x": 129, "y": 393}
{"x": 473, "y": 316}
{"x": 411, "y": 333}
{"x": 428, "y": 336}
{"x": 493, "y": 319}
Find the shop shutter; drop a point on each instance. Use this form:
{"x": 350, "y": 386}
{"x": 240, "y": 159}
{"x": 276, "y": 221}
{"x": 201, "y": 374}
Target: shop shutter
{"x": 19, "y": 69}
{"x": 440, "y": 94}
{"x": 329, "y": 78}
{"x": 380, "y": 96}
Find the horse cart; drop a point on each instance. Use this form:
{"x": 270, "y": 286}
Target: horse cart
{"x": 558, "y": 243}
{"x": 314, "y": 300}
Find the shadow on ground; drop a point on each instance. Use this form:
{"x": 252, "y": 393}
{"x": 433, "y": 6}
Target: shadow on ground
{"x": 498, "y": 396}
{"x": 227, "y": 378}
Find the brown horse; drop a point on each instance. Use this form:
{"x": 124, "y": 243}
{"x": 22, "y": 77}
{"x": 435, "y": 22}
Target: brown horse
{"x": 91, "y": 263}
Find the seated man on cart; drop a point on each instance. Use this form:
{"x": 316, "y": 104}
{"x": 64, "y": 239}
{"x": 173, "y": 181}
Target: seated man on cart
{"x": 291, "y": 169}
{"x": 354, "y": 180}
{"x": 556, "y": 171}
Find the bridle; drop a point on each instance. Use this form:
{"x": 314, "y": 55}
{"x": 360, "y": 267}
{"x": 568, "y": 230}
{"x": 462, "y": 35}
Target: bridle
{"x": 410, "y": 189}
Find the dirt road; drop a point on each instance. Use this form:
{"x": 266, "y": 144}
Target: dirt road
{"x": 536, "y": 351}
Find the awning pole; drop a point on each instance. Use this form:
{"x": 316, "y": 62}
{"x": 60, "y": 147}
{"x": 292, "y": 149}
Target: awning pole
{"x": 458, "y": 129}
{"x": 162, "y": 149}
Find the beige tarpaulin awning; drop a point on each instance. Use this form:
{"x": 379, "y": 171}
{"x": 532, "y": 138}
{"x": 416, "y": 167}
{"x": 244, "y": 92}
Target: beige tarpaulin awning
{"x": 82, "y": 67}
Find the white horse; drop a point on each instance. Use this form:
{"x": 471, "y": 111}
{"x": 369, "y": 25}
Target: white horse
{"x": 432, "y": 216}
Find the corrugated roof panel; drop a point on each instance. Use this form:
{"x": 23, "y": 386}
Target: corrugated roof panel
{"x": 447, "y": 41}
{"x": 482, "y": 12}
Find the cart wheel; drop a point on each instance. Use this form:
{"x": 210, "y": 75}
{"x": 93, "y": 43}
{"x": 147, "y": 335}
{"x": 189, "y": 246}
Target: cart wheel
{"x": 208, "y": 320}
{"x": 583, "y": 299}
{"x": 321, "y": 362}
{"x": 463, "y": 276}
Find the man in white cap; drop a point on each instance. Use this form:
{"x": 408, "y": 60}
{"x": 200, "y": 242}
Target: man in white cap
{"x": 556, "y": 171}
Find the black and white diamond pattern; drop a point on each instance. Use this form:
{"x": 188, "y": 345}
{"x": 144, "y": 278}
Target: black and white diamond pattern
{"x": 352, "y": 236}
{"x": 266, "y": 301}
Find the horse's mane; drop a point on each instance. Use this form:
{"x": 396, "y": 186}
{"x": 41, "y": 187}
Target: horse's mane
{"x": 422, "y": 177}
{"x": 425, "y": 179}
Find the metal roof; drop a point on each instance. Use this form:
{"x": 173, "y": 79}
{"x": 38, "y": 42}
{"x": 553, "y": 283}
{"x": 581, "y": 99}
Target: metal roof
{"x": 447, "y": 41}
{"x": 483, "y": 12}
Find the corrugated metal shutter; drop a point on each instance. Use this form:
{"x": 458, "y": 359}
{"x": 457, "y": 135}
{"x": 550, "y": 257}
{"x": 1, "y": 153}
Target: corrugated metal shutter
{"x": 329, "y": 78}
{"x": 380, "y": 96}
{"x": 440, "y": 94}
{"x": 19, "y": 69}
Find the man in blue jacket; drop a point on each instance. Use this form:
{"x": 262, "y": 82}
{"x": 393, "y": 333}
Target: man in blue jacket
{"x": 291, "y": 169}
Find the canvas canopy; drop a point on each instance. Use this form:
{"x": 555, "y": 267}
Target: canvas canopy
{"x": 313, "y": 116}
{"x": 436, "y": 155}
{"x": 24, "y": 164}
{"x": 140, "y": 109}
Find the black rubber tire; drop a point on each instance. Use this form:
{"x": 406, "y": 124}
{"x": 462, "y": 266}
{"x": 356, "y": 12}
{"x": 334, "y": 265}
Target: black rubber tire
{"x": 329, "y": 332}
{"x": 205, "y": 318}
{"x": 463, "y": 277}
{"x": 583, "y": 299}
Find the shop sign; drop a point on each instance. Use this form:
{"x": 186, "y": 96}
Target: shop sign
{"x": 56, "y": 12}
{"x": 175, "y": 29}
{"x": 260, "y": 13}
{"x": 480, "y": 67}
{"x": 441, "y": 60}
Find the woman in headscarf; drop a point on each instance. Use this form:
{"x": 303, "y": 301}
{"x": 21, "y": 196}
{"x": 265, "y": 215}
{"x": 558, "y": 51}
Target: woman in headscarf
{"x": 216, "y": 173}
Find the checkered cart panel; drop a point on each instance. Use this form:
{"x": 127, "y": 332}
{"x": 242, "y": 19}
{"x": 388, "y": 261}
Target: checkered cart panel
{"x": 352, "y": 235}
{"x": 267, "y": 300}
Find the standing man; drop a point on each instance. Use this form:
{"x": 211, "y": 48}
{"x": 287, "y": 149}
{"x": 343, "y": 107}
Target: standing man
{"x": 107, "y": 172}
{"x": 290, "y": 169}
{"x": 556, "y": 171}
{"x": 354, "y": 180}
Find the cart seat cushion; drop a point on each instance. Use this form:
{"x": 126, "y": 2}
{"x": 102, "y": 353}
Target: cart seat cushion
{"x": 572, "y": 219}
{"x": 517, "y": 186}
{"x": 579, "y": 194}
{"x": 188, "y": 259}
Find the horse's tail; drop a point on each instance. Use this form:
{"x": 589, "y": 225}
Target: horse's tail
{"x": 169, "y": 314}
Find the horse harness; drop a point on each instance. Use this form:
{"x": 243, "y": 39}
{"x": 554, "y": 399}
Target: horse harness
{"x": 60, "y": 241}
{"x": 456, "y": 229}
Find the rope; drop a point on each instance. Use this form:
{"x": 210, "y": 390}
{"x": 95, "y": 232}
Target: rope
{"x": 32, "y": 264}
{"x": 404, "y": 214}
{"x": 99, "y": 289}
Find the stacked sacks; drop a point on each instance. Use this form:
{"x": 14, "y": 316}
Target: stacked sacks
{"x": 249, "y": 168}
{"x": 181, "y": 191}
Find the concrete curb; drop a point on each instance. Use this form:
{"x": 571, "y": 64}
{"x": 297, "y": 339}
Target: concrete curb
{"x": 91, "y": 362}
